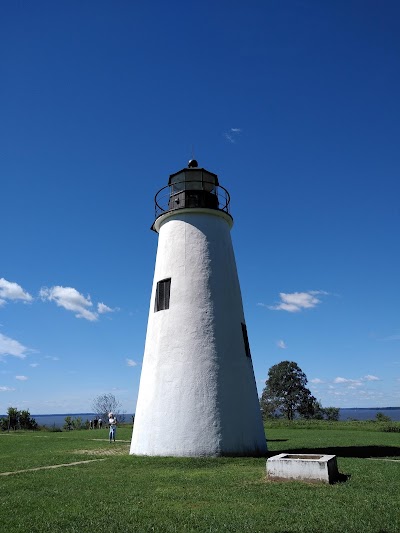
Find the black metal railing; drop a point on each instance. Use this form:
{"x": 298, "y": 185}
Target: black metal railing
{"x": 177, "y": 196}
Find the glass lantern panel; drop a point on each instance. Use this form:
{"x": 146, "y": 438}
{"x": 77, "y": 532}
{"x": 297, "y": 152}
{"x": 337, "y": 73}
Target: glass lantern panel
{"x": 193, "y": 180}
{"x": 208, "y": 182}
{"x": 178, "y": 183}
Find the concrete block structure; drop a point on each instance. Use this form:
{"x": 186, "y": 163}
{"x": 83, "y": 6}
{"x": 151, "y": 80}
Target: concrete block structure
{"x": 312, "y": 468}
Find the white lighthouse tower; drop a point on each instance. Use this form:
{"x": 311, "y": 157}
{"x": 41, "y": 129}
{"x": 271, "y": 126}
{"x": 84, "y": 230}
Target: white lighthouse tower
{"x": 197, "y": 393}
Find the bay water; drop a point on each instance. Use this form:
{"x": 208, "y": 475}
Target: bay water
{"x": 57, "y": 420}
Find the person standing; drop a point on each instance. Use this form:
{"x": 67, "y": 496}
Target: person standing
{"x": 112, "y": 421}
{"x": 100, "y": 423}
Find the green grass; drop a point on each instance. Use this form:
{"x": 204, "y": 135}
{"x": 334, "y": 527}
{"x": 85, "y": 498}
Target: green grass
{"x": 128, "y": 494}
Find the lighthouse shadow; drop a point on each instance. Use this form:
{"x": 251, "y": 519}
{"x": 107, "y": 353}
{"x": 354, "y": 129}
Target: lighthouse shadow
{"x": 359, "y": 452}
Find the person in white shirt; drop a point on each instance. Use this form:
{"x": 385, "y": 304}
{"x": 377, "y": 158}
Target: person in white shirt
{"x": 112, "y": 421}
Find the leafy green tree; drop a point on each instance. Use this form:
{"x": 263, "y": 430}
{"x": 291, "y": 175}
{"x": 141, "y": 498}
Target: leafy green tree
{"x": 26, "y": 421}
{"x": 285, "y": 390}
{"x": 380, "y": 417}
{"x": 319, "y": 411}
{"x": 68, "y": 423}
{"x": 331, "y": 413}
{"x": 325, "y": 413}
{"x": 77, "y": 423}
{"x": 17, "y": 420}
{"x": 13, "y": 418}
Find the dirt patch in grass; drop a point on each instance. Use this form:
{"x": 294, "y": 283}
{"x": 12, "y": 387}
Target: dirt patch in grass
{"x": 48, "y": 467}
{"x": 112, "y": 450}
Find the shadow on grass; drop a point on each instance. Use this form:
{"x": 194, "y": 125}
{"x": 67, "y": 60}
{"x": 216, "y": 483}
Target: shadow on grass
{"x": 277, "y": 440}
{"x": 360, "y": 452}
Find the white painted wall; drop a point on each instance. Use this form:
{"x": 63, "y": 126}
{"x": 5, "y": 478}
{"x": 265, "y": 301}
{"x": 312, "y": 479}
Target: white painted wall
{"x": 197, "y": 393}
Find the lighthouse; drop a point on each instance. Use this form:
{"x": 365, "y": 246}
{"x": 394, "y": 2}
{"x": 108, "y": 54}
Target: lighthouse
{"x": 197, "y": 393}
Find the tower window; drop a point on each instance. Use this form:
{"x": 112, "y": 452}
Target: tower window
{"x": 162, "y": 295}
{"x": 246, "y": 340}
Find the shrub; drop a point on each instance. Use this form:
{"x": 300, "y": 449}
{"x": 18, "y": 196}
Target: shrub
{"x": 391, "y": 429}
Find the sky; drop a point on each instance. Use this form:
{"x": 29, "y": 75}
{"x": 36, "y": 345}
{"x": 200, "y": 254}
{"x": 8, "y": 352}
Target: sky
{"x": 295, "y": 105}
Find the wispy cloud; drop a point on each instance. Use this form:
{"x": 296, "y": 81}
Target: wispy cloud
{"x": 34, "y": 365}
{"x": 51, "y": 357}
{"x": 232, "y": 134}
{"x": 281, "y": 344}
{"x": 6, "y": 389}
{"x": 351, "y": 383}
{"x": 316, "y": 381}
{"x": 103, "y": 308}
{"x": 10, "y": 346}
{"x": 345, "y": 380}
{"x": 131, "y": 362}
{"x": 70, "y": 299}
{"x": 297, "y": 301}
{"x": 21, "y": 378}
{"x": 12, "y": 291}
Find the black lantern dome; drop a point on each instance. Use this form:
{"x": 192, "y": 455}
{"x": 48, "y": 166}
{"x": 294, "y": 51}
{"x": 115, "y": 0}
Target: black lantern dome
{"x": 192, "y": 187}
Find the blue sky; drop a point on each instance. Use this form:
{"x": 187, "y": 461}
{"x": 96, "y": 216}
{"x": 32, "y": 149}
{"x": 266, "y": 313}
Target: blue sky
{"x": 295, "y": 105}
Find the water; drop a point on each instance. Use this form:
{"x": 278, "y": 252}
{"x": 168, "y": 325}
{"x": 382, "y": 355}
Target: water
{"x": 59, "y": 420}
{"x": 369, "y": 413}
{"x": 344, "y": 414}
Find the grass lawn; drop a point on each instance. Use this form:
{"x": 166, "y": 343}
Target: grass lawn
{"x": 117, "y": 492}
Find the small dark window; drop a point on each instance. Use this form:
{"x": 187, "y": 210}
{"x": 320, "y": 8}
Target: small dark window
{"x": 162, "y": 295}
{"x": 246, "y": 340}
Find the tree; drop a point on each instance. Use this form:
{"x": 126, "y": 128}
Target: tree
{"x": 107, "y": 403}
{"x": 26, "y": 421}
{"x": 285, "y": 390}
{"x": 68, "y": 423}
{"x": 381, "y": 417}
{"x": 13, "y": 418}
{"x": 331, "y": 413}
{"x": 18, "y": 420}
{"x": 77, "y": 423}
{"x": 325, "y": 413}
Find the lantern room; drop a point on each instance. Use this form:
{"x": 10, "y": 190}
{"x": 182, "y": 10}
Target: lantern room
{"x": 193, "y": 187}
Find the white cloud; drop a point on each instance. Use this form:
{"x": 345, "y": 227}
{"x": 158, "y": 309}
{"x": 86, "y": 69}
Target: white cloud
{"x": 297, "y": 301}
{"x": 6, "y": 389}
{"x": 340, "y": 380}
{"x": 103, "y": 308}
{"x": 355, "y": 382}
{"x": 51, "y": 357}
{"x": 281, "y": 344}
{"x": 316, "y": 381}
{"x": 345, "y": 380}
{"x": 34, "y": 365}
{"x": 21, "y": 378}
{"x": 232, "y": 134}
{"x": 70, "y": 299}
{"x": 351, "y": 383}
{"x": 10, "y": 346}
{"x": 131, "y": 362}
{"x": 12, "y": 291}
